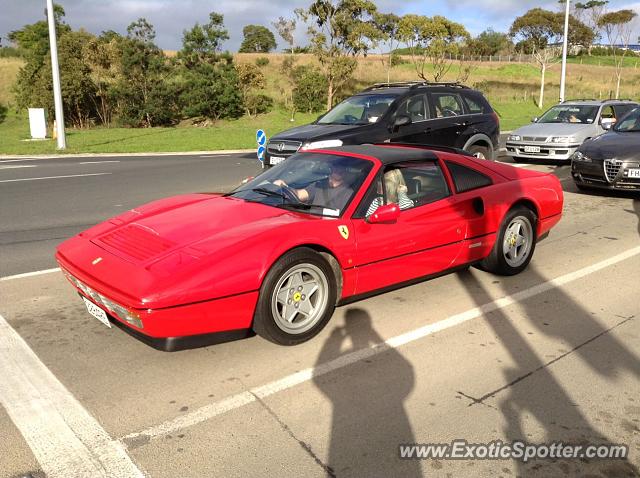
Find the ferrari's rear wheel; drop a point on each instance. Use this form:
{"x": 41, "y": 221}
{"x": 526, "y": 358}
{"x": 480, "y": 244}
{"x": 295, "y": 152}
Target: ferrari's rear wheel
{"x": 297, "y": 298}
{"x": 514, "y": 245}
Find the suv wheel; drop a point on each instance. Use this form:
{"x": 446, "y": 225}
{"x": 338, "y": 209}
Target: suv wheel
{"x": 480, "y": 152}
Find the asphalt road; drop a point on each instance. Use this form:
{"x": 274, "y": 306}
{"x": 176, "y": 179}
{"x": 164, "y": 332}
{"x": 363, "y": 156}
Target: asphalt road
{"x": 551, "y": 354}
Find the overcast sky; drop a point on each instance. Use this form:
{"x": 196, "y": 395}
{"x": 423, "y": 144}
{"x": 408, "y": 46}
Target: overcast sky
{"x": 171, "y": 17}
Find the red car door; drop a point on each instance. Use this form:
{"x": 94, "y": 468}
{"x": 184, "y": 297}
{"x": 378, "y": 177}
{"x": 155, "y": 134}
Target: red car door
{"x": 426, "y": 238}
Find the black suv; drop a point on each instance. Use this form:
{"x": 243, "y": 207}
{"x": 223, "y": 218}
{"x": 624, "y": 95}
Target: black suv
{"x": 439, "y": 114}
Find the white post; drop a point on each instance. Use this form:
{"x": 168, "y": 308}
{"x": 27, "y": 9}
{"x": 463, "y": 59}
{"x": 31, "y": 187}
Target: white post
{"x": 565, "y": 43}
{"x": 55, "y": 70}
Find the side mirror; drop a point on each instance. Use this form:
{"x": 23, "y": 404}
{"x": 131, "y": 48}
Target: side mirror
{"x": 401, "y": 120}
{"x": 388, "y": 213}
{"x": 534, "y": 120}
{"x": 607, "y": 123}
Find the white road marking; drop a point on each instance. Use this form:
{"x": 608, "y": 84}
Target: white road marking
{"x": 98, "y": 162}
{"x": 17, "y": 166}
{"x": 18, "y": 160}
{"x": 30, "y": 274}
{"x": 65, "y": 439}
{"x": 241, "y": 399}
{"x": 52, "y": 177}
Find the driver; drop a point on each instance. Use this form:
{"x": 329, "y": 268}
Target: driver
{"x": 332, "y": 193}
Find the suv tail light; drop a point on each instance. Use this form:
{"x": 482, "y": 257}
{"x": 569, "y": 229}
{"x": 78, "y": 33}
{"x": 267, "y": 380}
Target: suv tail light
{"x": 497, "y": 118}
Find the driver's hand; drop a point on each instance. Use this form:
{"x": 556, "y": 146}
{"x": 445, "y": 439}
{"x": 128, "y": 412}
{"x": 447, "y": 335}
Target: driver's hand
{"x": 280, "y": 182}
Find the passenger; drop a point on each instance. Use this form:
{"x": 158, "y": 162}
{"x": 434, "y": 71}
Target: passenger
{"x": 396, "y": 192}
{"x": 332, "y": 193}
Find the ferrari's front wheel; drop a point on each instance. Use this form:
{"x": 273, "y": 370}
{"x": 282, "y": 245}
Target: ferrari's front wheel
{"x": 514, "y": 245}
{"x": 297, "y": 298}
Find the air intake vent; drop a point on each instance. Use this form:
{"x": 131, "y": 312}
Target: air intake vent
{"x": 612, "y": 168}
{"x": 136, "y": 242}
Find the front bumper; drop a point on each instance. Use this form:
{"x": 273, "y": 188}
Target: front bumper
{"x": 613, "y": 176}
{"x": 548, "y": 151}
{"x": 175, "y": 328}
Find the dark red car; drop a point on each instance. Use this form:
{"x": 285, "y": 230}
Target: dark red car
{"x": 279, "y": 253}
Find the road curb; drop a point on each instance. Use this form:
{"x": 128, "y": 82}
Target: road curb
{"x": 122, "y": 155}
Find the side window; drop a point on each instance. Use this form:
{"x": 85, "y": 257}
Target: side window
{"x": 607, "y": 112}
{"x": 622, "y": 110}
{"x": 408, "y": 185}
{"x": 473, "y": 107}
{"x": 415, "y": 107}
{"x": 466, "y": 179}
{"x": 446, "y": 104}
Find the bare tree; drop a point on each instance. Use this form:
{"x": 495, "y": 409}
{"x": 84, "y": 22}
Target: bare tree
{"x": 617, "y": 27}
{"x": 285, "y": 28}
{"x": 544, "y": 57}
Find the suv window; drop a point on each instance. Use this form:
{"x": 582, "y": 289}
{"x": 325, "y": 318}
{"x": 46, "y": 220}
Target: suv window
{"x": 408, "y": 185}
{"x": 466, "y": 179}
{"x": 474, "y": 107}
{"x": 415, "y": 107}
{"x": 447, "y": 104}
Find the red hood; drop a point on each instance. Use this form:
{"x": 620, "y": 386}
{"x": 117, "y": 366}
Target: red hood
{"x": 156, "y": 232}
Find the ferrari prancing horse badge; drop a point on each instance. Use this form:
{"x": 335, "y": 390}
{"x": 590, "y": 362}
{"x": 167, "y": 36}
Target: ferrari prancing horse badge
{"x": 344, "y": 231}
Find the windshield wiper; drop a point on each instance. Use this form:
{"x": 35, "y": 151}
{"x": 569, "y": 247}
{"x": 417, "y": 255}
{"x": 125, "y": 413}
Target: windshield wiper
{"x": 306, "y": 207}
{"x": 269, "y": 192}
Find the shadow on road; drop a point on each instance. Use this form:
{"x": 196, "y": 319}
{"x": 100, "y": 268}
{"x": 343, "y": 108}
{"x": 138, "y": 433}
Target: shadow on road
{"x": 533, "y": 398}
{"x": 369, "y": 420}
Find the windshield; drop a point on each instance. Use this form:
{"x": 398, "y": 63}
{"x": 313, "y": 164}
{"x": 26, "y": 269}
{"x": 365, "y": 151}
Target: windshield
{"x": 320, "y": 184}
{"x": 629, "y": 123}
{"x": 359, "y": 109}
{"x": 570, "y": 114}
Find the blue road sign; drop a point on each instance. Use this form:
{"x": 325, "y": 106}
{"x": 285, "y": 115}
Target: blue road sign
{"x": 261, "y": 153}
{"x": 261, "y": 137}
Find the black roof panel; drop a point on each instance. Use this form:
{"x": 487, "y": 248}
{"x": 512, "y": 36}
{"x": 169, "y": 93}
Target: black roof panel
{"x": 389, "y": 155}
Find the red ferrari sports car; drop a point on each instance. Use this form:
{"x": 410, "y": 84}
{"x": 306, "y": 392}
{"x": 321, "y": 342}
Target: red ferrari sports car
{"x": 327, "y": 227}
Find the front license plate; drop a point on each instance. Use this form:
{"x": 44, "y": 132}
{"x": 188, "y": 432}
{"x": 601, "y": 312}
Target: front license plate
{"x": 276, "y": 159}
{"x": 97, "y": 312}
{"x": 634, "y": 173}
{"x": 532, "y": 149}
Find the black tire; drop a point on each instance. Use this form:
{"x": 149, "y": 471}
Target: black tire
{"x": 519, "y": 160}
{"x": 265, "y": 322}
{"x": 478, "y": 150}
{"x": 582, "y": 187}
{"x": 496, "y": 262}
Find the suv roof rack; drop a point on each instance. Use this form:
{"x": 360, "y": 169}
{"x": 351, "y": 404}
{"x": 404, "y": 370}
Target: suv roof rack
{"x": 414, "y": 84}
{"x": 579, "y": 99}
{"x": 617, "y": 99}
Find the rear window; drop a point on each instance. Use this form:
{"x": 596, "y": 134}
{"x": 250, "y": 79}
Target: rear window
{"x": 466, "y": 179}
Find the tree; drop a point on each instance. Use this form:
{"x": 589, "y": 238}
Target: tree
{"x": 103, "y": 55}
{"x": 257, "y": 39}
{"x": 210, "y": 87}
{"x": 339, "y": 31}
{"x": 617, "y": 27}
{"x": 432, "y": 40}
{"x": 590, "y": 13}
{"x": 203, "y": 42}
{"x": 286, "y": 28}
{"x": 388, "y": 24}
{"x": 539, "y": 29}
{"x": 146, "y": 96}
{"x": 251, "y": 80}
{"x": 489, "y": 43}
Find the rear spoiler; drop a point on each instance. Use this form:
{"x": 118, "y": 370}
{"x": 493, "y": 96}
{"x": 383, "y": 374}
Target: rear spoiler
{"x": 444, "y": 149}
